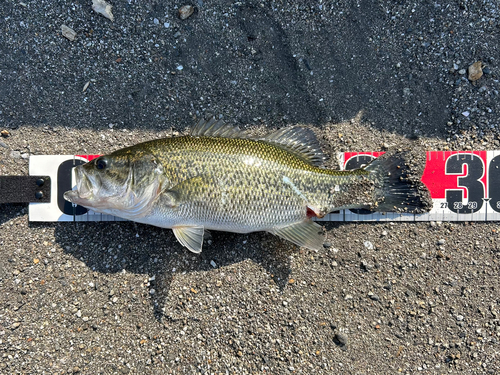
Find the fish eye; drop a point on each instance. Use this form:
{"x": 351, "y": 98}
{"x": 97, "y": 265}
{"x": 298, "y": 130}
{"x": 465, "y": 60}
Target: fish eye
{"x": 101, "y": 164}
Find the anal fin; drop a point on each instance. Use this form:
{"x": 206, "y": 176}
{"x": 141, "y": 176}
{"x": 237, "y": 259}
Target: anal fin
{"x": 306, "y": 233}
{"x": 190, "y": 237}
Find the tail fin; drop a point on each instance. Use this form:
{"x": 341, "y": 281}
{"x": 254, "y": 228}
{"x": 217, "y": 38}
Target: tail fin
{"x": 395, "y": 189}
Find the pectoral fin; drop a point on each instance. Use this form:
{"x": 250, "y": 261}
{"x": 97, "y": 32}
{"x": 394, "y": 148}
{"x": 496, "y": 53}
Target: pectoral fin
{"x": 306, "y": 233}
{"x": 190, "y": 237}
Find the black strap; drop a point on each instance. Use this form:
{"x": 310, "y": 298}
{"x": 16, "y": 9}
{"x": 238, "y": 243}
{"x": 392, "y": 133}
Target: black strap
{"x": 24, "y": 189}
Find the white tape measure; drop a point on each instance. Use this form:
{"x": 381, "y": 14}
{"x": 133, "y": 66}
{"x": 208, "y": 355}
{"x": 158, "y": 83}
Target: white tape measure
{"x": 464, "y": 186}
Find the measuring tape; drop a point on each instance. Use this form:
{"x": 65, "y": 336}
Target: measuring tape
{"x": 464, "y": 186}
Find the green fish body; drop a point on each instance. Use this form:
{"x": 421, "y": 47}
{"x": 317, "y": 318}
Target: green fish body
{"x": 218, "y": 178}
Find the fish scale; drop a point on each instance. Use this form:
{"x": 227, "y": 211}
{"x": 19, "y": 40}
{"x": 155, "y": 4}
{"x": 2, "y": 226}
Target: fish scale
{"x": 221, "y": 179}
{"x": 257, "y": 197}
{"x": 235, "y": 196}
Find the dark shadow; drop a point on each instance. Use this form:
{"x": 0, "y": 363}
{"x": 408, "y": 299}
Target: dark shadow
{"x": 11, "y": 210}
{"x": 249, "y": 62}
{"x": 155, "y": 252}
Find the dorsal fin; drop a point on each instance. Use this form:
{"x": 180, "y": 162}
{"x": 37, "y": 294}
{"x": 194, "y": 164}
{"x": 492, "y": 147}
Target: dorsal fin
{"x": 216, "y": 128}
{"x": 300, "y": 141}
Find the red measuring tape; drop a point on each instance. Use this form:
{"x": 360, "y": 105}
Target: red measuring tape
{"x": 464, "y": 186}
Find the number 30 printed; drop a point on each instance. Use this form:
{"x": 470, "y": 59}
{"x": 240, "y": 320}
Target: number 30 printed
{"x": 474, "y": 169}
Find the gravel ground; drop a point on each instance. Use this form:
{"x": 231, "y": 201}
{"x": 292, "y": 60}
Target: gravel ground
{"x": 117, "y": 298}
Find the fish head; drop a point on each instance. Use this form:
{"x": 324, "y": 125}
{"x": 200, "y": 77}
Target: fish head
{"x": 123, "y": 184}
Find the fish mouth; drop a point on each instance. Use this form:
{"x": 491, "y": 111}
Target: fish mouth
{"x": 84, "y": 194}
{"x": 100, "y": 195}
{"x": 71, "y": 196}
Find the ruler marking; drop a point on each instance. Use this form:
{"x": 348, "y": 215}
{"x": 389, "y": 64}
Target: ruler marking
{"x": 49, "y": 164}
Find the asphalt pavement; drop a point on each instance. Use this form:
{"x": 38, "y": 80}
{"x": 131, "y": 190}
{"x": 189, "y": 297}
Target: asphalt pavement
{"x": 118, "y": 298}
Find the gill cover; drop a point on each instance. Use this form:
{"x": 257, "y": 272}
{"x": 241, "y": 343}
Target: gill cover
{"x": 118, "y": 185}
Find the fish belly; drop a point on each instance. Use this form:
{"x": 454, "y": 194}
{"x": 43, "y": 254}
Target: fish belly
{"x": 234, "y": 201}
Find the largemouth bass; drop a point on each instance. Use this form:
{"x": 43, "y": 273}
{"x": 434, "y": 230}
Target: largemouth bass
{"x": 219, "y": 178}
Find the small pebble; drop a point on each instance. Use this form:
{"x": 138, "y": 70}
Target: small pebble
{"x": 460, "y": 318}
{"x": 475, "y": 71}
{"x": 104, "y": 8}
{"x": 341, "y": 338}
{"x": 185, "y": 11}
{"x": 213, "y": 264}
{"x": 365, "y": 265}
{"x": 441, "y": 242}
{"x": 368, "y": 245}
{"x": 68, "y": 33}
